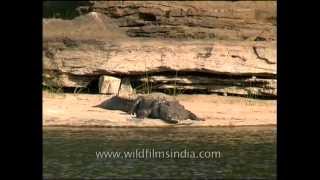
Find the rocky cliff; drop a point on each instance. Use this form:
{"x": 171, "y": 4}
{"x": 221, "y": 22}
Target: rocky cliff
{"x": 226, "y": 20}
{"x": 196, "y": 46}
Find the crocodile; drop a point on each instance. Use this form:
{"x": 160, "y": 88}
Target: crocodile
{"x": 155, "y": 106}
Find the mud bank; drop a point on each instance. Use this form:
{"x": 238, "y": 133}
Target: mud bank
{"x": 79, "y": 110}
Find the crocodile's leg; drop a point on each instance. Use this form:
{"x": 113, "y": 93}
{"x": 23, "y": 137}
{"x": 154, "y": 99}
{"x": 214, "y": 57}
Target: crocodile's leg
{"x": 135, "y": 105}
{"x": 143, "y": 113}
{"x": 155, "y": 110}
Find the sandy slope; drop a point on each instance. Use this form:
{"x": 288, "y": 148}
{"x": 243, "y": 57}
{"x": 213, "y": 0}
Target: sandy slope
{"x": 79, "y": 110}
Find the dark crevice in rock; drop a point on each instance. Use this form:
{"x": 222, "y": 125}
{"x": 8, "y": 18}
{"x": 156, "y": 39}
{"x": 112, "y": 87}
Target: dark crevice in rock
{"x": 225, "y": 75}
{"x": 205, "y": 91}
{"x": 259, "y": 38}
{"x": 147, "y": 16}
{"x": 49, "y": 53}
{"x": 170, "y": 72}
{"x": 70, "y": 43}
{"x": 241, "y": 58}
{"x": 262, "y": 58}
{"x": 93, "y": 86}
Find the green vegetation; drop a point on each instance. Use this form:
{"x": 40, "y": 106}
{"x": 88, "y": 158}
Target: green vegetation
{"x": 146, "y": 87}
{"x": 54, "y": 84}
{"x": 147, "y": 84}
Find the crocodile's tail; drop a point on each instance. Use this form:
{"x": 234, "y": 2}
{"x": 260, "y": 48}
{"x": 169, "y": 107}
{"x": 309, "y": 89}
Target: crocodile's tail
{"x": 192, "y": 116}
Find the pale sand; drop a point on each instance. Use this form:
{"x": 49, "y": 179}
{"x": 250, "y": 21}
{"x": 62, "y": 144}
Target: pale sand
{"x": 78, "y": 110}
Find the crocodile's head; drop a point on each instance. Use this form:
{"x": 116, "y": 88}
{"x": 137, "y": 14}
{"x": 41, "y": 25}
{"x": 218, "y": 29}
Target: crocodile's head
{"x": 171, "y": 116}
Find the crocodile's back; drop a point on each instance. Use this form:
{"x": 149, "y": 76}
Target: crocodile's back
{"x": 174, "y": 110}
{"x": 158, "y": 96}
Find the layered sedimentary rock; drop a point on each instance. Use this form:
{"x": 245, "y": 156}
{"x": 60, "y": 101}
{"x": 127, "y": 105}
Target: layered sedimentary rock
{"x": 227, "y": 86}
{"x": 137, "y": 57}
{"x": 226, "y": 47}
{"x": 86, "y": 61}
{"x": 193, "y": 19}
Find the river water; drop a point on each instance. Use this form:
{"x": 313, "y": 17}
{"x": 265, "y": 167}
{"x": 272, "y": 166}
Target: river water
{"x": 244, "y": 152}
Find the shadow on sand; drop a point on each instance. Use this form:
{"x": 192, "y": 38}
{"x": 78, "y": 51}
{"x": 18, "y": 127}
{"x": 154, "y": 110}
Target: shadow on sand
{"x": 116, "y": 103}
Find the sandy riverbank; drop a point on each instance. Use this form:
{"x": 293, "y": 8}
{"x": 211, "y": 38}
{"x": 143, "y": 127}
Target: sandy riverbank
{"x": 78, "y": 110}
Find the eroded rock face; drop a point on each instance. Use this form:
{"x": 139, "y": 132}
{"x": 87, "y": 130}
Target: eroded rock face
{"x": 193, "y": 19}
{"x": 137, "y": 38}
{"x": 91, "y": 59}
{"x": 137, "y": 57}
{"x": 245, "y": 86}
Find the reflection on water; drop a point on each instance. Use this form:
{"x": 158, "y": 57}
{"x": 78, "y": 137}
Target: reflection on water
{"x": 247, "y": 152}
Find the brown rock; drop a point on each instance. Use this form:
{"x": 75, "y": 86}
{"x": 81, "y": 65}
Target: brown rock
{"x": 243, "y": 20}
{"x": 126, "y": 89}
{"x": 109, "y": 85}
{"x": 137, "y": 57}
{"x": 244, "y": 86}
{"x": 76, "y": 52}
{"x": 92, "y": 25}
